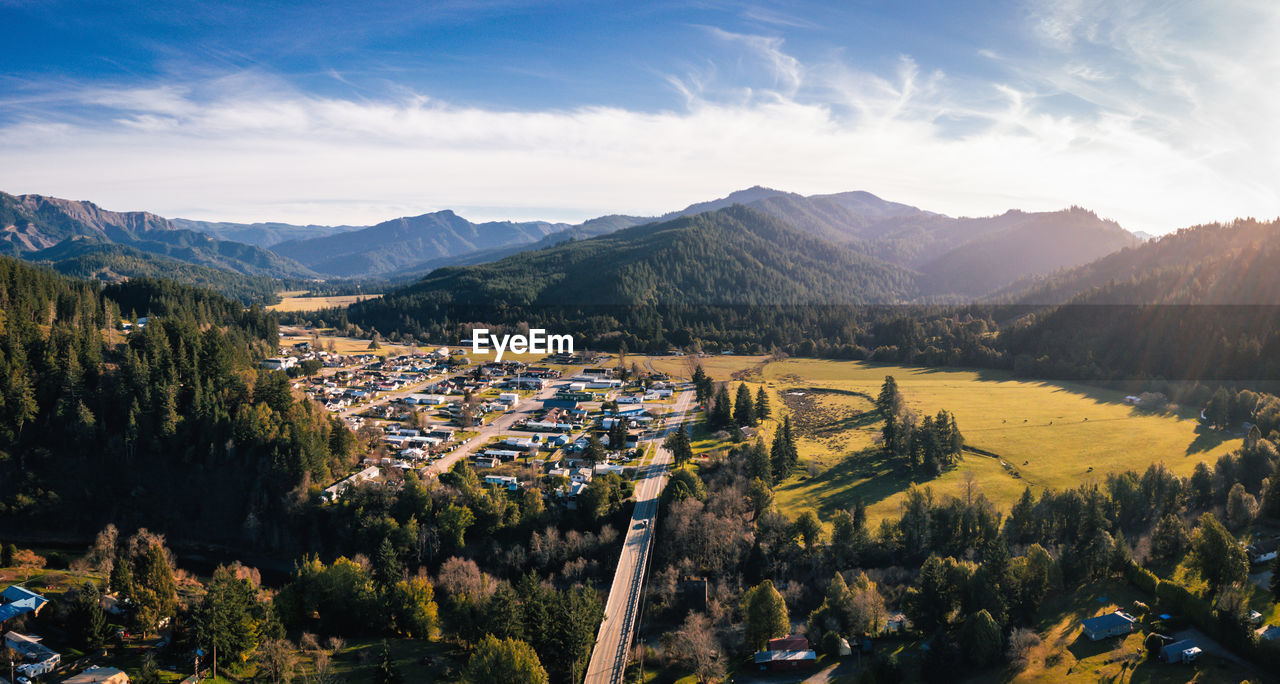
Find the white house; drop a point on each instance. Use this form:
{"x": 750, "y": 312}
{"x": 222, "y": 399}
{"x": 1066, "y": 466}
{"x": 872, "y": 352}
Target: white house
{"x": 334, "y": 492}
{"x": 279, "y": 363}
{"x": 507, "y": 481}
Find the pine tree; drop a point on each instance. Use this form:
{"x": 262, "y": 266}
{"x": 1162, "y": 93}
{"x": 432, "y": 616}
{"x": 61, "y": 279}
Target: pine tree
{"x": 789, "y": 439}
{"x": 762, "y": 405}
{"x": 758, "y": 463}
{"x": 701, "y": 386}
{"x": 744, "y": 410}
{"x": 779, "y": 458}
{"x": 387, "y": 569}
{"x": 679, "y": 445}
{"x": 722, "y": 410}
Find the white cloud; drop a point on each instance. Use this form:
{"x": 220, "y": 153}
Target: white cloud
{"x": 1167, "y": 131}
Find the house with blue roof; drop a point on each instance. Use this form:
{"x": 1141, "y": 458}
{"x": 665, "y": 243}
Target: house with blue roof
{"x": 18, "y": 600}
{"x": 1109, "y": 625}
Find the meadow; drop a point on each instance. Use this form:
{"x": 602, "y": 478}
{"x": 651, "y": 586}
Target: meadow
{"x": 297, "y": 300}
{"x": 1020, "y": 432}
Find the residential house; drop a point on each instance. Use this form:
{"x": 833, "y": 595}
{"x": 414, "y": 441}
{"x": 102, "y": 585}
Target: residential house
{"x": 506, "y": 481}
{"x": 786, "y": 653}
{"x": 37, "y": 659}
{"x": 99, "y": 675}
{"x": 18, "y": 600}
{"x": 1263, "y": 551}
{"x": 1109, "y": 625}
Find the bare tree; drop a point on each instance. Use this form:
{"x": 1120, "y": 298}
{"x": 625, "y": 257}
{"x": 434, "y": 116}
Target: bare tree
{"x": 699, "y": 648}
{"x": 277, "y": 660}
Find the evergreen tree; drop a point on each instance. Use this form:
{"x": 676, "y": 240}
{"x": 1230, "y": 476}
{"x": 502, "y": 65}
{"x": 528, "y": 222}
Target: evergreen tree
{"x": 722, "y": 410}
{"x": 702, "y": 386}
{"x": 779, "y": 457}
{"x": 121, "y": 579}
{"x": 155, "y": 593}
{"x": 762, "y": 405}
{"x": 679, "y": 445}
{"x": 87, "y": 621}
{"x": 758, "y": 463}
{"x": 387, "y": 570}
{"x": 225, "y": 618}
{"x": 744, "y": 410}
{"x": 764, "y": 615}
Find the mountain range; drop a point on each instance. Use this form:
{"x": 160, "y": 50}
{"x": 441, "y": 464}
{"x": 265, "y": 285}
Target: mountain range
{"x": 919, "y": 254}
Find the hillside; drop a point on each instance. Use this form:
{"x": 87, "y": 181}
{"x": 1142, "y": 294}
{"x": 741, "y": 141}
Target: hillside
{"x": 1209, "y": 264}
{"x": 30, "y": 223}
{"x": 966, "y": 257}
{"x": 1200, "y": 303}
{"x": 404, "y": 242}
{"x": 732, "y": 256}
{"x": 89, "y": 259}
{"x": 1019, "y": 244}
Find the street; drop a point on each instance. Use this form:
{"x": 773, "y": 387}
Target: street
{"x": 609, "y": 658}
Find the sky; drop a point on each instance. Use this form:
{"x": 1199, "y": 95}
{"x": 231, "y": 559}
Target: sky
{"x": 1157, "y": 114}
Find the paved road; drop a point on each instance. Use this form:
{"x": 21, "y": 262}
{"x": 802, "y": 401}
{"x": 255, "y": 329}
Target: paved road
{"x": 609, "y": 658}
{"x": 525, "y": 409}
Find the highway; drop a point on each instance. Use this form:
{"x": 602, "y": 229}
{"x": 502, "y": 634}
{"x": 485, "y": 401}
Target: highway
{"x": 609, "y": 658}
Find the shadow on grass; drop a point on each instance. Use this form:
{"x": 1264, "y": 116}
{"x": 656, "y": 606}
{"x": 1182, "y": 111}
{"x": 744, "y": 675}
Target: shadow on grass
{"x": 1206, "y": 439}
{"x": 854, "y": 422}
{"x": 878, "y": 477}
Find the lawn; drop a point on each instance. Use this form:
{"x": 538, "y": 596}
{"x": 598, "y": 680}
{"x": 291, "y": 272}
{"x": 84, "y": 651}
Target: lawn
{"x": 1046, "y": 435}
{"x": 418, "y": 661}
{"x": 299, "y": 301}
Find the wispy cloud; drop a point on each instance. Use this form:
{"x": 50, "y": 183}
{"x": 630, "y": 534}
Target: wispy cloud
{"x": 1155, "y": 122}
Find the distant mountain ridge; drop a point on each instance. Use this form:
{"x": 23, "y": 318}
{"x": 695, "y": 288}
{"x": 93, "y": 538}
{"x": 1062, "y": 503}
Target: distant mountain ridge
{"x": 403, "y": 242}
{"x": 964, "y": 257}
{"x": 260, "y": 234}
{"x": 30, "y": 223}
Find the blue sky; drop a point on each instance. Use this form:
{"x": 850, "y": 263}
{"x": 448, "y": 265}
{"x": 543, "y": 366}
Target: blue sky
{"x": 1157, "y": 114}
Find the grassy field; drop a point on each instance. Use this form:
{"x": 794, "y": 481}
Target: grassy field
{"x": 1045, "y": 435}
{"x": 300, "y": 301}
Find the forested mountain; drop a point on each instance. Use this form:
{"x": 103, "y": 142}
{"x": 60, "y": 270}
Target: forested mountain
{"x": 735, "y": 274}
{"x": 29, "y": 223}
{"x": 89, "y": 259}
{"x": 1018, "y": 244}
{"x": 965, "y": 257}
{"x": 1202, "y": 303}
{"x": 732, "y": 256}
{"x": 260, "y": 234}
{"x": 408, "y": 241}
{"x": 1209, "y": 264}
